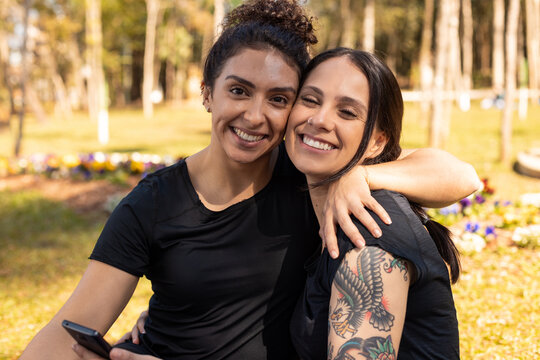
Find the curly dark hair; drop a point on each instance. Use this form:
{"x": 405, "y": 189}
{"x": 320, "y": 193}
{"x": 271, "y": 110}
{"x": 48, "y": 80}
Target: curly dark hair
{"x": 281, "y": 25}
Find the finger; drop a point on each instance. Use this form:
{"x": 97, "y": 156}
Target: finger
{"x": 329, "y": 236}
{"x": 120, "y": 354}
{"x": 367, "y": 220}
{"x": 351, "y": 230}
{"x": 84, "y": 353}
{"x": 127, "y": 336}
{"x": 135, "y": 335}
{"x": 377, "y": 208}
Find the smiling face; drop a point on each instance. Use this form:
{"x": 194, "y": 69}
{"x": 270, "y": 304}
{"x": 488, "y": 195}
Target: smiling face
{"x": 328, "y": 119}
{"x": 250, "y": 102}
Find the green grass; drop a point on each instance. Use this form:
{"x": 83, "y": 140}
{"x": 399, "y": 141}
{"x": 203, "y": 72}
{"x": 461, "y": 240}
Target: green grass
{"x": 44, "y": 245}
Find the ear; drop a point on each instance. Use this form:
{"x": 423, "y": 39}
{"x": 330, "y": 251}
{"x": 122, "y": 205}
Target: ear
{"x": 207, "y": 97}
{"x": 377, "y": 143}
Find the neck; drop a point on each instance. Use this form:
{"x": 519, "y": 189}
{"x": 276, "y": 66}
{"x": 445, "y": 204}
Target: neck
{"x": 318, "y": 198}
{"x": 220, "y": 182}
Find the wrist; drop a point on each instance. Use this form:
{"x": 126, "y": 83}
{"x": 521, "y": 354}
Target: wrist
{"x": 366, "y": 174}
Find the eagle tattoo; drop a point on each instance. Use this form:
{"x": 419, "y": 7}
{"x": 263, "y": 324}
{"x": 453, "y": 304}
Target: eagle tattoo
{"x": 363, "y": 294}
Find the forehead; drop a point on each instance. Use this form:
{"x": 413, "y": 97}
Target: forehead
{"x": 264, "y": 68}
{"x": 339, "y": 77}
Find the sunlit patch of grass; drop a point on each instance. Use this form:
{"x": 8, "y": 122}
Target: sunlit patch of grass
{"x": 498, "y": 302}
{"x": 44, "y": 250}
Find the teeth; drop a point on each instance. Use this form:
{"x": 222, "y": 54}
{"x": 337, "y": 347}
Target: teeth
{"x": 247, "y": 137}
{"x": 316, "y": 144}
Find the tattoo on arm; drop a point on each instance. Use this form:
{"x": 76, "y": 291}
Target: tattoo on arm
{"x": 397, "y": 263}
{"x": 361, "y": 294}
{"x": 373, "y": 348}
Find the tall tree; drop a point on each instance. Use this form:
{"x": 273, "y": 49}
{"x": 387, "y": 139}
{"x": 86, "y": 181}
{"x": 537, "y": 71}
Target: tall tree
{"x": 348, "y": 36}
{"x": 441, "y": 54}
{"x": 219, "y": 14}
{"x": 510, "y": 83}
{"x": 97, "y": 98}
{"x": 497, "y": 66}
{"x": 152, "y": 12}
{"x": 368, "y": 43}
{"x": 426, "y": 58}
{"x": 466, "y": 10}
{"x": 533, "y": 46}
{"x": 24, "y": 77}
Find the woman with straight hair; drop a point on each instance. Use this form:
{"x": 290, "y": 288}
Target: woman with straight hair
{"x": 395, "y": 293}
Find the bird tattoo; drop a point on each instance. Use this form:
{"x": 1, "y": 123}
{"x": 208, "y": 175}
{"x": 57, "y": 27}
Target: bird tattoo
{"x": 362, "y": 294}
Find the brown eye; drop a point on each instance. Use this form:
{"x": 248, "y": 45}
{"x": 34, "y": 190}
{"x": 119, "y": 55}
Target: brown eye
{"x": 237, "y": 91}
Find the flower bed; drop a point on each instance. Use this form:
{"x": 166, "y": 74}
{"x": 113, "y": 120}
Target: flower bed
{"x": 480, "y": 221}
{"x": 98, "y": 165}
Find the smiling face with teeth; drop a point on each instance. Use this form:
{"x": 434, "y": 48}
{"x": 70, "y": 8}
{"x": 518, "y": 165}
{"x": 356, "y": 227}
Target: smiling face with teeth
{"x": 250, "y": 102}
{"x": 327, "y": 122}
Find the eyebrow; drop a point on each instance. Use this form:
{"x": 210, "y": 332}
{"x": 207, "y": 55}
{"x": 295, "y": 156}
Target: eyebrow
{"x": 251, "y": 85}
{"x": 360, "y": 105}
{"x": 344, "y": 99}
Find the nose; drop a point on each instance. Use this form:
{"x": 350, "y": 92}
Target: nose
{"x": 322, "y": 119}
{"x": 254, "y": 113}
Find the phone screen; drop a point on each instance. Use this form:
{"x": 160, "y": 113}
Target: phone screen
{"x": 89, "y": 338}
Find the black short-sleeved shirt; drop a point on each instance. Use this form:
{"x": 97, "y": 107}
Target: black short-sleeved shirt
{"x": 225, "y": 283}
{"x": 430, "y": 330}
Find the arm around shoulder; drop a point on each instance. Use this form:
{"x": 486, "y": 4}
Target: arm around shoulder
{"x": 368, "y": 303}
{"x": 430, "y": 177}
{"x": 99, "y": 298}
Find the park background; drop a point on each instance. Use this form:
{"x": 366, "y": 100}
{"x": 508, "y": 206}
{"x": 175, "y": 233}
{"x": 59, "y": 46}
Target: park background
{"x": 95, "y": 94}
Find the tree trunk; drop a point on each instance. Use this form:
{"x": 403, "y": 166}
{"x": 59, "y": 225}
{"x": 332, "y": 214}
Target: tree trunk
{"x": 348, "y": 36}
{"x": 466, "y": 10}
{"x": 24, "y": 78}
{"x": 62, "y": 104}
{"x": 426, "y": 58}
{"x": 441, "y": 54}
{"x": 80, "y": 97}
{"x": 4, "y": 71}
{"x": 497, "y": 67}
{"x": 97, "y": 98}
{"x": 533, "y": 47}
{"x": 510, "y": 85}
{"x": 152, "y": 9}
{"x": 219, "y": 14}
{"x": 368, "y": 43}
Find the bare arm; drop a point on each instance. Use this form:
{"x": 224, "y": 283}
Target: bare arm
{"x": 99, "y": 298}
{"x": 368, "y": 281}
{"x": 430, "y": 177}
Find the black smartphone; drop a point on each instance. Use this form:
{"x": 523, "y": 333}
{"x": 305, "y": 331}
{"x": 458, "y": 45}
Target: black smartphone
{"x": 89, "y": 338}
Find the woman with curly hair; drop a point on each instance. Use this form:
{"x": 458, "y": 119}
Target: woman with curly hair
{"x": 223, "y": 234}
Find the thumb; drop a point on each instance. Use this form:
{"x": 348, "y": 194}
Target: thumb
{"x": 120, "y": 354}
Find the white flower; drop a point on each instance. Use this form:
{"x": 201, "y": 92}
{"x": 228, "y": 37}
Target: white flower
{"x": 470, "y": 242}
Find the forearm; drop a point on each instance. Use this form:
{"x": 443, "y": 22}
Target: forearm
{"x": 97, "y": 301}
{"x": 430, "y": 177}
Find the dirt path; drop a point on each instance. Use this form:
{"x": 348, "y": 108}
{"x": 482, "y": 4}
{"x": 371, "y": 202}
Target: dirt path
{"x": 81, "y": 196}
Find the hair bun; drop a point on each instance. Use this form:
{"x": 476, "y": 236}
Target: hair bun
{"x": 286, "y": 14}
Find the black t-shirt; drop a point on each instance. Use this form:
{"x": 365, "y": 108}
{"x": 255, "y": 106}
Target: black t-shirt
{"x": 430, "y": 330}
{"x": 225, "y": 282}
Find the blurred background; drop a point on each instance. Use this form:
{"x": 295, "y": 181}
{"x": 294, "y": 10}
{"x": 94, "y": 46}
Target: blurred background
{"x": 96, "y": 94}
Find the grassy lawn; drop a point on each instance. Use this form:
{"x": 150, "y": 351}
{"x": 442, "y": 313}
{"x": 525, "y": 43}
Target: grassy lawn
{"x": 44, "y": 245}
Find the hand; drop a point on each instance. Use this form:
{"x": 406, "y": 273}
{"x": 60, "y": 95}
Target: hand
{"x": 115, "y": 354}
{"x": 350, "y": 195}
{"x": 138, "y": 328}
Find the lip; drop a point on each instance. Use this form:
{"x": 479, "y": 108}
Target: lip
{"x": 247, "y": 133}
{"x": 301, "y": 136}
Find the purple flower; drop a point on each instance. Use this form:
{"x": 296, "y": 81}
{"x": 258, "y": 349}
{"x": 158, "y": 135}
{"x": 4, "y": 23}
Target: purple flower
{"x": 452, "y": 209}
{"x": 490, "y": 230}
{"x": 479, "y": 199}
{"x": 471, "y": 227}
{"x": 506, "y": 203}
{"x": 465, "y": 202}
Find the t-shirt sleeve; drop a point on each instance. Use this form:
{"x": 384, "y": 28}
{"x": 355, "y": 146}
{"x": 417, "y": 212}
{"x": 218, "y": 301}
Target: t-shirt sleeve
{"x": 126, "y": 238}
{"x": 399, "y": 238}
